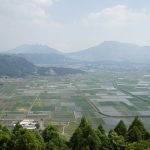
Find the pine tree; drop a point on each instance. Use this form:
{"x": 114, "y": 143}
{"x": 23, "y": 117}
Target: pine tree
{"x": 88, "y": 139}
{"x": 75, "y": 138}
{"x": 83, "y": 122}
{"x": 52, "y": 139}
{"x": 101, "y": 129}
{"x": 84, "y": 137}
{"x": 120, "y": 129}
{"x": 137, "y": 122}
{"x": 134, "y": 135}
{"x": 116, "y": 142}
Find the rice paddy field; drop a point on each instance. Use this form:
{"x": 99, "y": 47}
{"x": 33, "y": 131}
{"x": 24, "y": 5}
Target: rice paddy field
{"x": 103, "y": 97}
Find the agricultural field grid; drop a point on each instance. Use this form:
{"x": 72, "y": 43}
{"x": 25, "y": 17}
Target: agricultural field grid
{"x": 103, "y": 97}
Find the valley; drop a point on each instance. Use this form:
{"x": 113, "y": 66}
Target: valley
{"x": 102, "y": 96}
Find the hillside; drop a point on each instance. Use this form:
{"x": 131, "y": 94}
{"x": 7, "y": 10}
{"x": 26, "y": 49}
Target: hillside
{"x": 33, "y": 49}
{"x": 113, "y": 50}
{"x": 51, "y": 58}
{"x": 15, "y": 66}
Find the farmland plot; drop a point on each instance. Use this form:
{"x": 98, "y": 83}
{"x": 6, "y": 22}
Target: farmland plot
{"x": 103, "y": 97}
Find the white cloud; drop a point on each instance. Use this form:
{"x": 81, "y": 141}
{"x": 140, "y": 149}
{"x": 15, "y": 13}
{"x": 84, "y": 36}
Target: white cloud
{"x": 85, "y": 21}
{"x": 44, "y": 2}
{"x": 115, "y": 17}
{"x": 39, "y": 2}
{"x": 29, "y": 11}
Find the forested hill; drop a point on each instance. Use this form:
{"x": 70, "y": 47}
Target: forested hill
{"x": 13, "y": 66}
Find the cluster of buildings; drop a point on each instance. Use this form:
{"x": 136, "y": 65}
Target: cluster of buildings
{"x": 26, "y": 123}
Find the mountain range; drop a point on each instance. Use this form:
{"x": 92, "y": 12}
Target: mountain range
{"x": 108, "y": 50}
{"x": 113, "y": 50}
{"x": 39, "y": 54}
{"x": 33, "y": 49}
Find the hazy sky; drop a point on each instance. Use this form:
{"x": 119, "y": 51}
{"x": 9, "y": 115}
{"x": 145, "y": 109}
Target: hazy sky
{"x": 73, "y": 25}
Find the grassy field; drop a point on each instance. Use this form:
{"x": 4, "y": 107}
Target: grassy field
{"x": 68, "y": 98}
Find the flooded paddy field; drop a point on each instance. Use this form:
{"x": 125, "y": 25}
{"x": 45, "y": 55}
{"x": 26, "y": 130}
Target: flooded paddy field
{"x": 103, "y": 97}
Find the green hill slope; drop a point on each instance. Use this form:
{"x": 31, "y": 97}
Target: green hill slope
{"x": 15, "y": 66}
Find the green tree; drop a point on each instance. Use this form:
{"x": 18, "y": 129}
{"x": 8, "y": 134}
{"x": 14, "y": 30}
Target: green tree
{"x": 25, "y": 139}
{"x": 88, "y": 139}
{"x": 138, "y": 123}
{"x": 17, "y": 127}
{"x": 101, "y": 129}
{"x": 75, "y": 138}
{"x": 52, "y": 139}
{"x": 134, "y": 135}
{"x": 117, "y": 142}
{"x": 84, "y": 138}
{"x": 5, "y": 137}
{"x": 83, "y": 122}
{"x": 121, "y": 128}
{"x": 143, "y": 144}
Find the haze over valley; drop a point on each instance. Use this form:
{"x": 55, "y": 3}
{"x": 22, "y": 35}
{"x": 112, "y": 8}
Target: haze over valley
{"x": 107, "y": 50}
{"x": 74, "y": 75}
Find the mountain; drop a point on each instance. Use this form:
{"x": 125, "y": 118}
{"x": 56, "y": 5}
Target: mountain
{"x": 39, "y": 54}
{"x": 13, "y": 66}
{"x": 33, "y": 49}
{"x": 113, "y": 50}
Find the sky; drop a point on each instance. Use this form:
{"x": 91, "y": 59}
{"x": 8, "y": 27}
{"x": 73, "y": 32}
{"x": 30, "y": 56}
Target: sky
{"x": 73, "y": 25}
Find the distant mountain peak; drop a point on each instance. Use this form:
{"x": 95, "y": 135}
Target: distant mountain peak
{"x": 32, "y": 49}
{"x": 114, "y": 50}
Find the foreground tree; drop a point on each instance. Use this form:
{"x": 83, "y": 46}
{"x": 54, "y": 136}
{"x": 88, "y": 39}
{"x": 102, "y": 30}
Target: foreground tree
{"x": 25, "y": 139}
{"x": 17, "y": 127}
{"x": 121, "y": 128}
{"x": 84, "y": 138}
{"x": 101, "y": 129}
{"x": 140, "y": 130}
{"x": 5, "y": 137}
{"x": 52, "y": 139}
{"x": 134, "y": 135}
{"x": 144, "y": 144}
{"x": 116, "y": 142}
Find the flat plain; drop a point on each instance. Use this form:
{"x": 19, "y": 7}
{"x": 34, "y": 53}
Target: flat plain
{"x": 103, "y": 97}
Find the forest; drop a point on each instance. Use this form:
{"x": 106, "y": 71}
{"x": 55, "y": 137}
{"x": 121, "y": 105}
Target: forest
{"x": 136, "y": 137}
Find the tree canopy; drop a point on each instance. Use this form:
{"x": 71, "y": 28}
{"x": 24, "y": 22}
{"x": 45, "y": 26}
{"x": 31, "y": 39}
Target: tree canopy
{"x": 84, "y": 138}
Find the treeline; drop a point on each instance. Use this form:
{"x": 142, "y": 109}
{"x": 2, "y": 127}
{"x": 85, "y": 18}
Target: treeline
{"x": 85, "y": 137}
